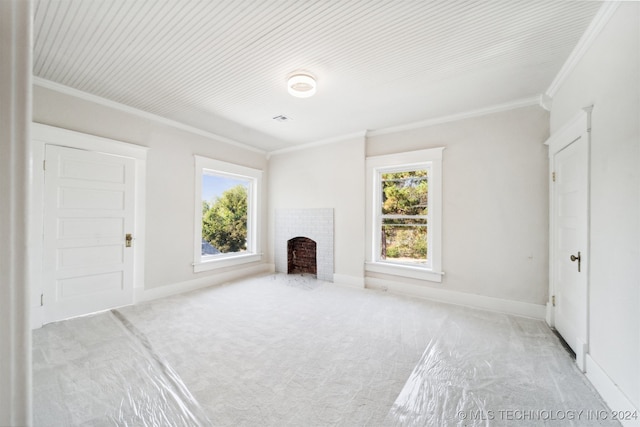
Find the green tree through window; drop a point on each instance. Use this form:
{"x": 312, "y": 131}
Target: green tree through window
{"x": 404, "y": 216}
{"x": 224, "y": 219}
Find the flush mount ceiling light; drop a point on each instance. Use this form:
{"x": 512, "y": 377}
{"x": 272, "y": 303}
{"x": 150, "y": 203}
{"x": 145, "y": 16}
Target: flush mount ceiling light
{"x": 301, "y": 85}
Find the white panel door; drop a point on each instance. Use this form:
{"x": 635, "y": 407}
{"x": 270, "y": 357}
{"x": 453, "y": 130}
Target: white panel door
{"x": 570, "y": 201}
{"x": 88, "y": 211}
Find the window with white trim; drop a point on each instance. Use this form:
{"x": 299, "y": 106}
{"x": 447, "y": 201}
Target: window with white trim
{"x": 226, "y": 210}
{"x": 405, "y": 205}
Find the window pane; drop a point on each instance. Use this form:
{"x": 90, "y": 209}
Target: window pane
{"x": 404, "y": 193}
{"x": 404, "y": 242}
{"x": 224, "y": 214}
{"x": 404, "y": 224}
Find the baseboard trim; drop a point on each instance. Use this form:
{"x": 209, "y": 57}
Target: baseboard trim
{"x": 518, "y": 308}
{"x": 349, "y": 281}
{"x": 610, "y": 392}
{"x": 142, "y": 295}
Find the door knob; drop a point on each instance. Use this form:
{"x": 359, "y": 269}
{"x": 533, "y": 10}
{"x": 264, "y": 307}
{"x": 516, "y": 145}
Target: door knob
{"x": 128, "y": 239}
{"x": 576, "y": 258}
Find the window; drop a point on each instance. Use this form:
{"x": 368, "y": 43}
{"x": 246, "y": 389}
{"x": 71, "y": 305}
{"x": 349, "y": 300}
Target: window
{"x": 403, "y": 215}
{"x": 226, "y": 212}
{"x": 405, "y": 206}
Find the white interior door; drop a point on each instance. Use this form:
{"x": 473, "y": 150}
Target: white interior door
{"x": 570, "y": 202}
{"x": 88, "y": 211}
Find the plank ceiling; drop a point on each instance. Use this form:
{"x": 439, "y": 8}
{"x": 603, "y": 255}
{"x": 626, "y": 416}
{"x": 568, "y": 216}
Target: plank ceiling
{"x": 221, "y": 66}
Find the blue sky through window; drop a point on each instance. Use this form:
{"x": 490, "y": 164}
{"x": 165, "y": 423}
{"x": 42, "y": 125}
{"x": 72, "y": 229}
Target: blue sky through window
{"x": 214, "y": 185}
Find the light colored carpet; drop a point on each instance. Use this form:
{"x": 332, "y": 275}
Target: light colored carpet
{"x": 284, "y": 350}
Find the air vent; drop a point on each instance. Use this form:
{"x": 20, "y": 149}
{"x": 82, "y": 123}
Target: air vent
{"x": 282, "y": 118}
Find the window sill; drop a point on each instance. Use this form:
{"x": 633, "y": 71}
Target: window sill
{"x": 404, "y": 271}
{"x": 227, "y": 261}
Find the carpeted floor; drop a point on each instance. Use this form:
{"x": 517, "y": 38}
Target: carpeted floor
{"x": 282, "y": 350}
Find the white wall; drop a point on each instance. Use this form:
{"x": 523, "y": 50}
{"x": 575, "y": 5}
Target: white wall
{"x": 495, "y": 202}
{"x": 15, "y": 119}
{"x": 608, "y": 77}
{"x": 325, "y": 176}
{"x": 170, "y": 177}
{"x": 495, "y": 235}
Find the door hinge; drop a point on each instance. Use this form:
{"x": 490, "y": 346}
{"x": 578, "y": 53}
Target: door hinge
{"x": 553, "y": 176}
{"x": 41, "y": 300}
{"x": 553, "y": 300}
{"x": 44, "y": 165}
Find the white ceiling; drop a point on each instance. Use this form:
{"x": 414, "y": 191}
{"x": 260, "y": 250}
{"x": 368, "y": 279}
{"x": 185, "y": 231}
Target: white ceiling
{"x": 221, "y": 66}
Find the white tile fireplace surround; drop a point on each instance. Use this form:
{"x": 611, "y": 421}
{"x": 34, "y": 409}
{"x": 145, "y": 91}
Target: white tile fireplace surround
{"x": 317, "y": 225}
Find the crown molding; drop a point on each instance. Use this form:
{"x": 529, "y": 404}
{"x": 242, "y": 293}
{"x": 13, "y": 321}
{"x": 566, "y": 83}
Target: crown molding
{"x": 546, "y": 101}
{"x": 597, "y": 24}
{"x": 333, "y": 140}
{"x": 48, "y": 84}
{"x": 526, "y": 102}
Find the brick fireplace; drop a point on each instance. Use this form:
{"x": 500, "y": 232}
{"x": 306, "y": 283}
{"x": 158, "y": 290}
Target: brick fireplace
{"x": 307, "y": 232}
{"x": 301, "y": 256}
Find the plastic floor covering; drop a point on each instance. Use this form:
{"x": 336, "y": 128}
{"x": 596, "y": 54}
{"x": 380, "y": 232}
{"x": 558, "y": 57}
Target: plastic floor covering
{"x": 284, "y": 350}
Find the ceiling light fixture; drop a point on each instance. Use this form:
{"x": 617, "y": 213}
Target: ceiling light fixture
{"x": 301, "y": 85}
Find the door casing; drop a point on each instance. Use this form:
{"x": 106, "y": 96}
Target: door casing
{"x": 42, "y": 135}
{"x": 578, "y": 127}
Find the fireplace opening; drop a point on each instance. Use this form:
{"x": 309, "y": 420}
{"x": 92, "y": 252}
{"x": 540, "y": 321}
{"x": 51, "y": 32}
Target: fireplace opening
{"x": 301, "y": 256}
